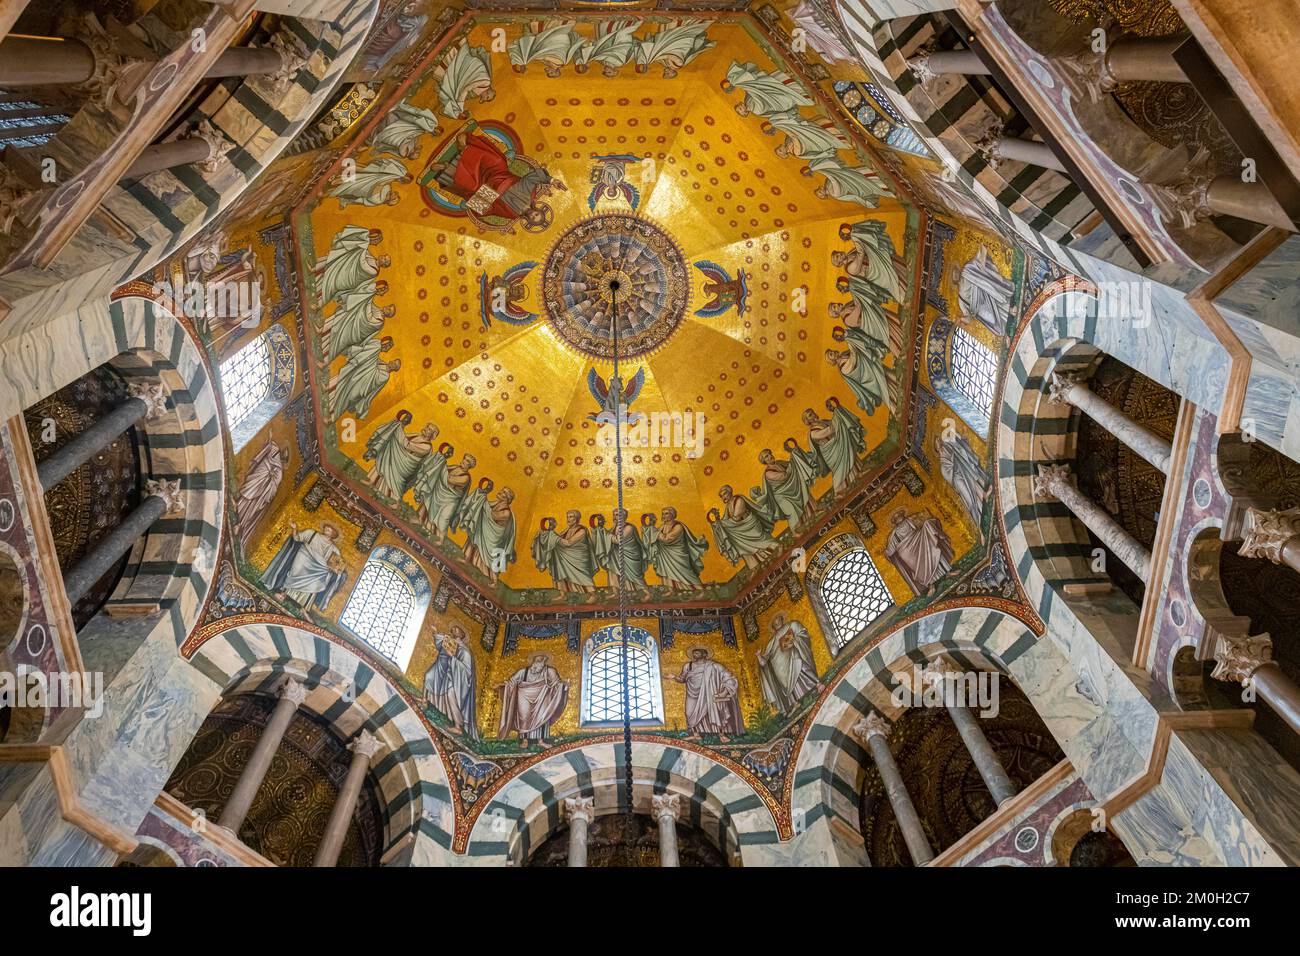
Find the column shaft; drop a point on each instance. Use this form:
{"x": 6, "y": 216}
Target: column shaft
{"x": 111, "y": 547}
{"x": 964, "y": 62}
{"x": 259, "y": 762}
{"x": 1149, "y": 60}
{"x": 918, "y": 847}
{"x": 1254, "y": 202}
{"x": 578, "y": 841}
{"x": 986, "y": 759}
{"x": 1279, "y": 692}
{"x": 1138, "y": 437}
{"x": 44, "y": 61}
{"x": 177, "y": 152}
{"x": 1029, "y": 151}
{"x": 668, "y": 840}
{"x": 327, "y": 854}
{"x": 246, "y": 61}
{"x": 91, "y": 442}
{"x": 1098, "y": 520}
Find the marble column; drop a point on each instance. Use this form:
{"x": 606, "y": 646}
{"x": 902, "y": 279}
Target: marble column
{"x": 363, "y": 747}
{"x": 972, "y": 735}
{"x": 1200, "y": 194}
{"x": 1273, "y": 536}
{"x": 162, "y": 497}
{"x": 667, "y": 808}
{"x": 204, "y": 147}
{"x": 147, "y": 400}
{"x": 1067, "y": 389}
{"x": 1053, "y": 481}
{"x": 580, "y": 811}
{"x": 926, "y": 66}
{"x": 292, "y": 694}
{"x": 1248, "y": 660}
{"x": 70, "y": 61}
{"x": 995, "y": 147}
{"x": 1142, "y": 60}
{"x": 873, "y": 733}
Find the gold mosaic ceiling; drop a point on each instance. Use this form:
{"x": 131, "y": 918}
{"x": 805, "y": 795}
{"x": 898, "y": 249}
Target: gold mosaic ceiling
{"x": 721, "y": 233}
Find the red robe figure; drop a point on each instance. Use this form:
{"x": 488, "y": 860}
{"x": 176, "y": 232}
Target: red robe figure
{"x": 479, "y": 171}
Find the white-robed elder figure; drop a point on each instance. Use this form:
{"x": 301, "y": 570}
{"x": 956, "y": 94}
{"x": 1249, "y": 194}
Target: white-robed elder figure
{"x": 532, "y": 699}
{"x": 451, "y": 684}
{"x": 920, "y": 549}
{"x": 962, "y": 470}
{"x": 257, "y": 490}
{"x": 786, "y": 665}
{"x": 712, "y": 705}
{"x": 308, "y": 568}
{"x": 984, "y": 293}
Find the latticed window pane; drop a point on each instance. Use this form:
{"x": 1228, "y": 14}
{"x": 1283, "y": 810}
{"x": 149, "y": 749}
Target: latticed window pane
{"x": 605, "y": 684}
{"x": 379, "y": 608}
{"x": 245, "y": 380}
{"x": 854, "y": 595}
{"x": 974, "y": 370}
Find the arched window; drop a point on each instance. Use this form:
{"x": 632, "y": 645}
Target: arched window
{"x": 602, "y": 678}
{"x": 847, "y": 591}
{"x": 387, "y": 605}
{"x": 974, "y": 370}
{"x": 255, "y": 381}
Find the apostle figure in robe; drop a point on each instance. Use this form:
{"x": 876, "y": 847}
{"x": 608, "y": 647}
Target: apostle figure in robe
{"x": 551, "y": 44}
{"x": 397, "y": 455}
{"x": 356, "y": 319}
{"x": 862, "y": 365}
{"x": 742, "y": 530}
{"x": 349, "y": 263}
{"x": 674, "y": 46}
{"x": 846, "y": 183}
{"x": 532, "y": 699}
{"x": 566, "y": 555}
{"x": 786, "y": 666}
{"x": 676, "y": 553}
{"x": 362, "y": 377}
{"x": 712, "y": 705}
{"x": 863, "y": 311}
{"x": 621, "y": 549}
{"x": 401, "y": 129}
{"x": 257, "y": 490}
{"x": 490, "y": 524}
{"x": 962, "y": 470}
{"x": 451, "y": 684}
{"x": 873, "y": 257}
{"x": 467, "y": 73}
{"x": 984, "y": 293}
{"x": 612, "y": 46}
{"x": 308, "y": 568}
{"x": 480, "y": 172}
{"x": 804, "y": 138}
{"x": 786, "y": 488}
{"x": 838, "y": 442}
{"x": 920, "y": 549}
{"x": 431, "y": 474}
{"x": 446, "y": 497}
{"x": 765, "y": 93}
{"x": 371, "y": 184}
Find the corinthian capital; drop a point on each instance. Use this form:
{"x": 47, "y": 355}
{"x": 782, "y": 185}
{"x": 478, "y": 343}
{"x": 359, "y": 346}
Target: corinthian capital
{"x": 117, "y": 72}
{"x": 666, "y": 805}
{"x": 1237, "y": 658}
{"x": 14, "y": 197}
{"x": 1051, "y": 481}
{"x": 1265, "y": 533}
{"x": 580, "y": 808}
{"x": 366, "y": 744}
{"x": 153, "y": 394}
{"x": 989, "y": 144}
{"x": 870, "y": 726}
{"x": 920, "y": 67}
{"x": 169, "y": 491}
{"x": 1059, "y": 385}
{"x": 217, "y": 145}
{"x": 293, "y": 57}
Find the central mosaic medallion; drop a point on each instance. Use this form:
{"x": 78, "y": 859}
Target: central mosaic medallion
{"x": 611, "y": 259}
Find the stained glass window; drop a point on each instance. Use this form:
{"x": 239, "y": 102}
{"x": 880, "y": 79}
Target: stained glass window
{"x": 602, "y": 678}
{"x": 974, "y": 370}
{"x": 854, "y": 594}
{"x": 387, "y": 604}
{"x": 245, "y": 380}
